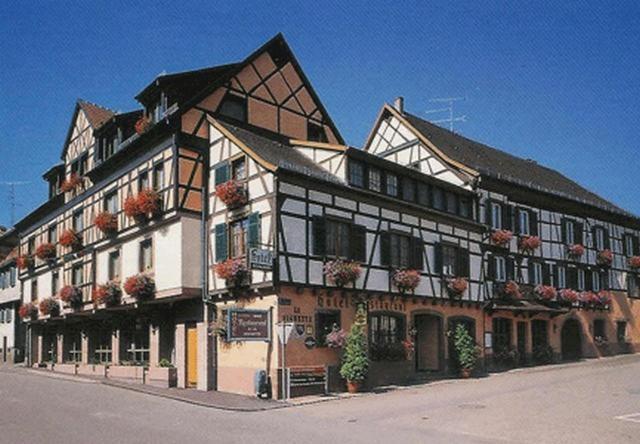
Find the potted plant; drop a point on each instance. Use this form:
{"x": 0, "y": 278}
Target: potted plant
{"x": 233, "y": 271}
{"x": 457, "y": 286}
{"x": 24, "y": 262}
{"x": 148, "y": 203}
{"x": 355, "y": 362}
{"x": 140, "y": 286}
{"x": 108, "y": 294}
{"x": 106, "y": 222}
{"x": 342, "y": 272}
{"x": 71, "y": 183}
{"x": 501, "y": 237}
{"x": 232, "y": 193}
{"x": 546, "y": 292}
{"x": 568, "y": 296}
{"x": 406, "y": 280}
{"x": 529, "y": 244}
{"x": 467, "y": 352}
{"x": 142, "y": 125}
{"x": 70, "y": 239}
{"x": 46, "y": 251}
{"x": 575, "y": 251}
{"x": 49, "y": 306}
{"x": 71, "y": 296}
{"x": 512, "y": 290}
{"x": 634, "y": 263}
{"x": 28, "y": 311}
{"x": 604, "y": 258}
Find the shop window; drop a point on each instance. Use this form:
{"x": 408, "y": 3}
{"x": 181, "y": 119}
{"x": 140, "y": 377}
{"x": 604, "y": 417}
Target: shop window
{"x": 146, "y": 255}
{"x": 599, "y": 330}
{"x": 73, "y": 346}
{"x": 356, "y": 173}
{"x": 136, "y": 343}
{"x": 234, "y": 107}
{"x": 375, "y": 179}
{"x": 326, "y": 322}
{"x": 392, "y": 185}
{"x": 539, "y": 335}
{"x": 101, "y": 346}
{"x": 386, "y": 328}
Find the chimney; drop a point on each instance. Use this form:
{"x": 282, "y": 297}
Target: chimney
{"x": 398, "y": 104}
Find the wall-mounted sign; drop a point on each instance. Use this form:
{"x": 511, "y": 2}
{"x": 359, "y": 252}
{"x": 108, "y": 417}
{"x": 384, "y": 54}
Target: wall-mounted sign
{"x": 488, "y": 339}
{"x": 284, "y": 330}
{"x": 248, "y": 325}
{"x": 260, "y": 259}
{"x": 310, "y": 342}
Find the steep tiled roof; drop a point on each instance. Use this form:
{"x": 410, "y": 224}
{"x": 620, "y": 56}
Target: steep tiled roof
{"x": 96, "y": 114}
{"x": 503, "y": 166}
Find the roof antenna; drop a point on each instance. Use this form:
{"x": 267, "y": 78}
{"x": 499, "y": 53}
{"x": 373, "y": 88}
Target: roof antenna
{"x": 12, "y": 198}
{"x": 449, "y": 101}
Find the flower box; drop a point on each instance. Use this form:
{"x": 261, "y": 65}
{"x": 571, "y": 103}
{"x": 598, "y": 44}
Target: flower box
{"x": 509, "y": 290}
{"x": 233, "y": 271}
{"x": 130, "y": 372}
{"x": 406, "y": 280}
{"x": 140, "y": 286}
{"x": 164, "y": 377}
{"x": 46, "y": 251}
{"x": 99, "y": 370}
{"x": 71, "y": 183}
{"x": 634, "y": 263}
{"x": 232, "y": 193}
{"x": 49, "y": 307}
{"x": 568, "y": 296}
{"x": 575, "y": 251}
{"x": 529, "y": 244}
{"x": 340, "y": 272}
{"x": 143, "y": 124}
{"x": 145, "y": 205}
{"x": 546, "y": 292}
{"x": 604, "y": 258}
{"x": 24, "y": 262}
{"x": 28, "y": 311}
{"x": 457, "y": 286}
{"x": 70, "y": 239}
{"x": 501, "y": 237}
{"x": 108, "y": 294}
{"x": 72, "y": 296}
{"x": 106, "y": 222}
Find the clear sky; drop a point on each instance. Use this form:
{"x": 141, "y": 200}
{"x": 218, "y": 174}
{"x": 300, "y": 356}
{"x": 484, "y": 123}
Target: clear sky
{"x": 559, "y": 83}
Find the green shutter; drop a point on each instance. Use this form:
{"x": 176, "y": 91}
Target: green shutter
{"x": 253, "y": 239}
{"x": 385, "y": 249}
{"x": 358, "y": 243}
{"x": 222, "y": 173}
{"x": 510, "y": 263}
{"x": 491, "y": 267}
{"x": 533, "y": 223}
{"x": 437, "y": 258}
{"x": 221, "y": 242}
{"x": 463, "y": 262}
{"x": 417, "y": 250}
{"x": 319, "y": 236}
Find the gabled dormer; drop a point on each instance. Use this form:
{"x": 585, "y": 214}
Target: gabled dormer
{"x": 112, "y": 133}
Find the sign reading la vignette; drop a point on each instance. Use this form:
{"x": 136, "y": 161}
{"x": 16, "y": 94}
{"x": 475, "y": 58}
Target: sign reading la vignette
{"x": 248, "y": 325}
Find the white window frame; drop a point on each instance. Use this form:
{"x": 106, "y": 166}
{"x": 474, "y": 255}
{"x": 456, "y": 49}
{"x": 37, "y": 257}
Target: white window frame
{"x": 524, "y": 221}
{"x": 562, "y": 276}
{"x": 501, "y": 268}
{"x": 570, "y": 230}
{"x": 598, "y": 241}
{"x": 496, "y": 216}
{"x": 595, "y": 281}
{"x": 628, "y": 241}
{"x": 537, "y": 273}
{"x": 581, "y": 279}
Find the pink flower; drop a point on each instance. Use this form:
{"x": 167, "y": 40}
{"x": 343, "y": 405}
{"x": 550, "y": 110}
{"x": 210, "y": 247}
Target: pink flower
{"x": 231, "y": 270}
{"x": 546, "y": 292}
{"x": 568, "y": 295}
{"x": 512, "y": 289}
{"x": 576, "y": 250}
{"x": 634, "y": 262}
{"x": 231, "y": 193}
{"x": 406, "y": 280}
{"x": 501, "y": 237}
{"x": 457, "y": 285}
{"x": 341, "y": 272}
{"x": 528, "y": 244}
{"x": 605, "y": 257}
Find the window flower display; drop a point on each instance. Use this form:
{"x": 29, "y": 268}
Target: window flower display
{"x": 634, "y": 263}
{"x": 24, "y": 262}
{"x": 232, "y": 193}
{"x": 140, "y": 286}
{"x": 71, "y": 183}
{"x": 106, "y": 222}
{"x": 71, "y": 296}
{"x": 109, "y": 294}
{"x": 340, "y": 272}
{"x": 49, "y": 306}
{"x": 28, "y": 311}
{"x": 143, "y": 124}
{"x": 70, "y": 239}
{"x": 457, "y": 286}
{"x": 529, "y": 244}
{"x": 546, "y": 292}
{"x": 46, "y": 251}
{"x": 406, "y": 280}
{"x": 512, "y": 290}
{"x": 605, "y": 258}
{"x": 337, "y": 338}
{"x": 233, "y": 271}
{"x": 501, "y": 237}
{"x": 568, "y": 296}
{"x": 575, "y": 250}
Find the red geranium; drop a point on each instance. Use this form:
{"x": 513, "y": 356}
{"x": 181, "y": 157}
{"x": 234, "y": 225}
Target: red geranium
{"x": 512, "y": 289}
{"x": 568, "y": 295}
{"x": 604, "y": 297}
{"x": 457, "y": 286}
{"x": 46, "y": 251}
{"x": 70, "y": 238}
{"x": 501, "y": 237}
{"x": 71, "y": 295}
{"x": 528, "y": 244}
{"x": 233, "y": 271}
{"x": 605, "y": 258}
{"x": 27, "y": 311}
{"x": 131, "y": 208}
{"x": 406, "y": 280}
{"x": 49, "y": 306}
{"x": 634, "y": 262}
{"x": 231, "y": 193}
{"x": 24, "y": 262}
{"x": 70, "y": 183}
{"x": 576, "y": 250}
{"x": 546, "y": 292}
{"x": 148, "y": 202}
{"x": 106, "y": 222}
{"x": 142, "y": 125}
{"x": 108, "y": 294}
{"x": 140, "y": 286}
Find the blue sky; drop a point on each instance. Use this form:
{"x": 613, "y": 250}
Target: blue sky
{"x": 556, "y": 83}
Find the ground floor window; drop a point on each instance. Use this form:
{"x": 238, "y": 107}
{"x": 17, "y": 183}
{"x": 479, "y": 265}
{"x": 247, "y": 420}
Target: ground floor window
{"x": 621, "y": 331}
{"x": 386, "y": 334}
{"x": 599, "y": 332}
{"x": 503, "y": 351}
{"x": 49, "y": 347}
{"x": 135, "y": 343}
{"x": 542, "y": 351}
{"x": 73, "y": 346}
{"x": 100, "y": 342}
{"x": 326, "y": 321}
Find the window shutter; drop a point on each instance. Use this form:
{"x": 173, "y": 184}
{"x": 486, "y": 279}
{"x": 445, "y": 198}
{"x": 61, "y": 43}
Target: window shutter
{"x": 531, "y": 275}
{"x": 588, "y": 277}
{"x": 636, "y": 245}
{"x": 572, "y": 277}
{"x": 222, "y": 173}
{"x": 417, "y": 256}
{"x": 533, "y": 222}
{"x": 579, "y": 228}
{"x": 221, "y": 242}
{"x": 594, "y": 237}
{"x": 253, "y": 238}
{"x": 607, "y": 239}
{"x": 358, "y": 243}
{"x": 488, "y": 213}
{"x": 516, "y": 221}
{"x": 437, "y": 258}
{"x": 546, "y": 273}
{"x": 385, "y": 249}
{"x": 563, "y": 227}
{"x": 463, "y": 262}
{"x": 507, "y": 217}
{"x": 319, "y": 236}
{"x": 491, "y": 267}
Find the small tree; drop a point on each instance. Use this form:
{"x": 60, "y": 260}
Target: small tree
{"x": 466, "y": 348}
{"x": 355, "y": 362}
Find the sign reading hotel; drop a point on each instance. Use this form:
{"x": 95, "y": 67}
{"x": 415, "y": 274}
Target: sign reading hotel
{"x": 260, "y": 259}
{"x": 248, "y": 325}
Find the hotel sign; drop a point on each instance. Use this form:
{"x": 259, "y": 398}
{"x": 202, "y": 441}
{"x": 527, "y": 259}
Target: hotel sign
{"x": 248, "y": 325}
{"x": 260, "y": 259}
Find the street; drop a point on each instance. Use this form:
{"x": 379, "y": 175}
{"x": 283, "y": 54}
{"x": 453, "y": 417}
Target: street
{"x": 588, "y": 402}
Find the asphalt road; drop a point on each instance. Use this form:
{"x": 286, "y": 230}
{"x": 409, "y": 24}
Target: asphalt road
{"x": 590, "y": 402}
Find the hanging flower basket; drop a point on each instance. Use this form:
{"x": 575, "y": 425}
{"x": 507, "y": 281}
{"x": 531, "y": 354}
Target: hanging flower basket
{"x": 604, "y": 258}
{"x": 49, "y": 306}
{"x": 108, "y": 294}
{"x": 406, "y": 280}
{"x": 233, "y": 271}
{"x": 457, "y": 286}
{"x": 568, "y": 296}
{"x": 546, "y": 292}
{"x": 28, "y": 311}
{"x": 501, "y": 237}
{"x": 70, "y": 239}
{"x": 511, "y": 290}
{"x": 142, "y": 125}
{"x": 46, "y": 251}
{"x": 634, "y": 263}
{"x": 529, "y": 244}
{"x": 71, "y": 183}
{"x": 337, "y": 338}
{"x": 575, "y": 250}
{"x": 232, "y": 193}
{"x": 24, "y": 262}
{"x": 72, "y": 296}
{"x": 140, "y": 286}
{"x": 340, "y": 272}
{"x": 106, "y": 222}
{"x": 143, "y": 206}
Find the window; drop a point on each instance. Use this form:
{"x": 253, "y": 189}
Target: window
{"x": 77, "y": 277}
{"x": 423, "y": 194}
{"x": 31, "y": 245}
{"x": 581, "y": 279}
{"x": 386, "y": 329}
{"x": 239, "y": 237}
{"x": 338, "y": 234}
{"x": 143, "y": 181}
{"x": 633, "y": 286}
{"x": 73, "y": 346}
{"x": 52, "y": 234}
{"x": 135, "y": 342}
{"x": 400, "y": 250}
{"x": 12, "y": 276}
{"x": 438, "y": 198}
{"x": 464, "y": 207}
{"x": 77, "y": 222}
{"x": 326, "y": 321}
{"x": 449, "y": 260}
{"x": 375, "y": 179}
{"x": 621, "y": 331}
{"x": 523, "y": 222}
{"x": 496, "y": 216}
{"x": 501, "y": 334}
{"x": 392, "y": 184}
{"x": 539, "y": 333}
{"x": 598, "y": 238}
{"x": 101, "y": 345}
{"x": 535, "y": 273}
{"x": 408, "y": 190}
{"x": 146, "y": 255}
{"x": 630, "y": 245}
{"x": 111, "y": 202}
{"x": 596, "y": 282}
{"x": 158, "y": 111}
{"x": 571, "y": 232}
{"x": 34, "y": 290}
{"x": 356, "y": 173}
{"x": 562, "y": 276}
{"x": 500, "y": 269}
{"x": 452, "y": 204}
{"x": 234, "y": 107}
{"x": 114, "y": 265}
{"x": 239, "y": 168}
{"x": 599, "y": 330}
{"x": 55, "y": 283}
{"x": 8, "y": 316}
{"x": 316, "y": 133}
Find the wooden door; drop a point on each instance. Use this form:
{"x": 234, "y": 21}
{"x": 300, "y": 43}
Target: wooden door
{"x": 522, "y": 342}
{"x": 192, "y": 356}
{"x": 571, "y": 340}
{"x": 427, "y": 343}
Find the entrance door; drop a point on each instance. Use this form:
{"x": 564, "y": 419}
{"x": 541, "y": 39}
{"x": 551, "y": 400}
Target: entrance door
{"x": 428, "y": 342}
{"x": 571, "y": 343}
{"x": 522, "y": 342}
{"x": 192, "y": 356}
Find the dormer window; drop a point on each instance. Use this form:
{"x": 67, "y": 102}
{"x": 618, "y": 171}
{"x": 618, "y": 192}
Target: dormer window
{"x": 159, "y": 109}
{"x": 79, "y": 166}
{"x": 375, "y": 179}
{"x": 239, "y": 169}
{"x": 356, "y": 174}
{"x": 392, "y": 185}
{"x": 316, "y": 133}
{"x": 234, "y": 107}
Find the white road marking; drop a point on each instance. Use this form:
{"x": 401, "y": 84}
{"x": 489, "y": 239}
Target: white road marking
{"x": 631, "y": 417}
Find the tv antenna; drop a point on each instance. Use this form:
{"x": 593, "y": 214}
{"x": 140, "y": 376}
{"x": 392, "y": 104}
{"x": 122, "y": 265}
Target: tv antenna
{"x": 449, "y": 101}
{"x": 12, "y": 198}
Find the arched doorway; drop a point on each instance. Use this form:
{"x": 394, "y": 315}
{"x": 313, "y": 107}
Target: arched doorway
{"x": 428, "y": 342}
{"x": 571, "y": 340}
